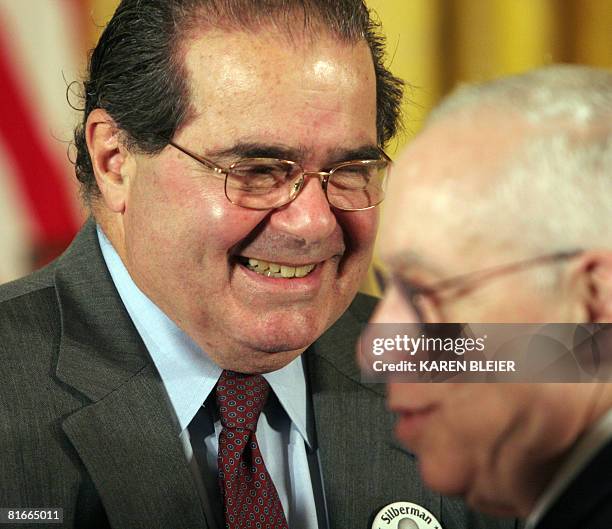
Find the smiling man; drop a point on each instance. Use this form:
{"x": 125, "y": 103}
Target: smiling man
{"x": 274, "y": 263}
{"x": 511, "y": 224}
{"x": 188, "y": 362}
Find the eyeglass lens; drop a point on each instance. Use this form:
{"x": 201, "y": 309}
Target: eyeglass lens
{"x": 263, "y": 183}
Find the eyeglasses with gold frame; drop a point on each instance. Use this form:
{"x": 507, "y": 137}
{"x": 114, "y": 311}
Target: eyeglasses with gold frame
{"x": 269, "y": 183}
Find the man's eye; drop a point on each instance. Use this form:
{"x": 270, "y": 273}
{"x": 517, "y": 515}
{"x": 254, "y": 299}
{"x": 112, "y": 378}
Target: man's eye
{"x": 258, "y": 179}
{"x": 353, "y": 176}
{"x": 258, "y": 175}
{"x": 358, "y": 176}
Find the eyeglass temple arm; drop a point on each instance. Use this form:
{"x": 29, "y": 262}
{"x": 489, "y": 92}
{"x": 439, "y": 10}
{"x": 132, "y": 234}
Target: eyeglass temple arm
{"x": 203, "y": 161}
{"x": 482, "y": 275}
{"x": 385, "y": 155}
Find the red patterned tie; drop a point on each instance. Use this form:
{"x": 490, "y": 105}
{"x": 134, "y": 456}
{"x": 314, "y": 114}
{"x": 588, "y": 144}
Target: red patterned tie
{"x": 250, "y": 498}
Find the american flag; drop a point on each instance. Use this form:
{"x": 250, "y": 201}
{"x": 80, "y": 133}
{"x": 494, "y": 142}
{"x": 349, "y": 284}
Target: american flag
{"x": 43, "y": 47}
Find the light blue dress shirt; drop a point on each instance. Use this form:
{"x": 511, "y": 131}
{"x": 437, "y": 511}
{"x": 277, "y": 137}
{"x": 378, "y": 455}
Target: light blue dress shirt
{"x": 189, "y": 376}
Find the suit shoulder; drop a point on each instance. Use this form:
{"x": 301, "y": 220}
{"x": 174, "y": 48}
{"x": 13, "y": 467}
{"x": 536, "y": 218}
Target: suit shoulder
{"x": 349, "y": 325}
{"x": 362, "y": 307}
{"x": 28, "y": 310}
{"x": 29, "y": 284}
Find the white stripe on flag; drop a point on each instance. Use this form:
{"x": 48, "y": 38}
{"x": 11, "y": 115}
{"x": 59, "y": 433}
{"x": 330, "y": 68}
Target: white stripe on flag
{"x": 15, "y": 243}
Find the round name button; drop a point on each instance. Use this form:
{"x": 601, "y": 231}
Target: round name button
{"x": 405, "y": 515}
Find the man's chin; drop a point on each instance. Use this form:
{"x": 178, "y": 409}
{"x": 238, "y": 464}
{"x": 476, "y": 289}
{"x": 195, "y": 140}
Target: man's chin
{"x": 283, "y": 335}
{"x": 443, "y": 478}
{"x": 485, "y": 495}
{"x": 494, "y": 507}
{"x": 280, "y": 348}
{"x": 256, "y": 351}
{"x": 259, "y": 362}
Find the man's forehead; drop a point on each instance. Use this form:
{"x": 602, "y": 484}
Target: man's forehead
{"x": 239, "y": 62}
{"x": 237, "y": 56}
{"x": 440, "y": 192}
{"x": 249, "y": 95}
{"x": 452, "y": 166}
{"x": 463, "y": 146}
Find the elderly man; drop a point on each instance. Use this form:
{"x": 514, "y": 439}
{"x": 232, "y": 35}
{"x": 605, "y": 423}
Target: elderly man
{"x": 511, "y": 223}
{"x": 230, "y": 154}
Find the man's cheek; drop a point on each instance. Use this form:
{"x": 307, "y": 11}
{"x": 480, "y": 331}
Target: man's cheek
{"x": 363, "y": 229}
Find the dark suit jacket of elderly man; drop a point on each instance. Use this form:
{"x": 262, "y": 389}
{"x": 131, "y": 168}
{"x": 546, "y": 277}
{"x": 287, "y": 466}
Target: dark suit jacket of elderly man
{"x": 587, "y": 501}
{"x": 85, "y": 423}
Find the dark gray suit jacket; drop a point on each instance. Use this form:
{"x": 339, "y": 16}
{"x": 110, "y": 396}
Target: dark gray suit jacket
{"x": 587, "y": 501}
{"x": 85, "y": 423}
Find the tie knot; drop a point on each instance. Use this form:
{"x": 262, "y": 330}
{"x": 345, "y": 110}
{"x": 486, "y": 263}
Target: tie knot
{"x": 240, "y": 399}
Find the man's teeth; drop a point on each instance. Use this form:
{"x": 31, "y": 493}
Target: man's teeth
{"x": 277, "y": 270}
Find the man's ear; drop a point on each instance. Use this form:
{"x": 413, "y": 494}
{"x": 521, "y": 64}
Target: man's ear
{"x": 109, "y": 159}
{"x": 596, "y": 269}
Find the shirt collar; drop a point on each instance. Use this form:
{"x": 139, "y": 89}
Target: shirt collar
{"x": 187, "y": 373}
{"x": 289, "y": 385}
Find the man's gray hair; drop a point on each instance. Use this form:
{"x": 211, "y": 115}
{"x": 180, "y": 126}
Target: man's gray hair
{"x": 555, "y": 189}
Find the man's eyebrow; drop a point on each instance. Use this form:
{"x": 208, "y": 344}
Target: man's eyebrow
{"x": 409, "y": 260}
{"x": 363, "y": 152}
{"x": 284, "y": 152}
{"x": 403, "y": 259}
{"x": 257, "y": 150}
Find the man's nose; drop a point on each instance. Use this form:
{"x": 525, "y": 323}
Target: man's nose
{"x": 309, "y": 216}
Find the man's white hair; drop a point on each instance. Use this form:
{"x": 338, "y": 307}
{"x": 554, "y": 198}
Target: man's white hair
{"x": 555, "y": 191}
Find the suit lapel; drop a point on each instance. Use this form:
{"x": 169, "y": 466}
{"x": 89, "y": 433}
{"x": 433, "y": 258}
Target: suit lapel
{"x": 127, "y": 437}
{"x": 131, "y": 451}
{"x": 586, "y": 502}
{"x": 363, "y": 469}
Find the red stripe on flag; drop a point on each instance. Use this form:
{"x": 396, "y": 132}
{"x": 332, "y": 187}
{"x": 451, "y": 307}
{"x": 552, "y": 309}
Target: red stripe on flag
{"x": 41, "y": 177}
